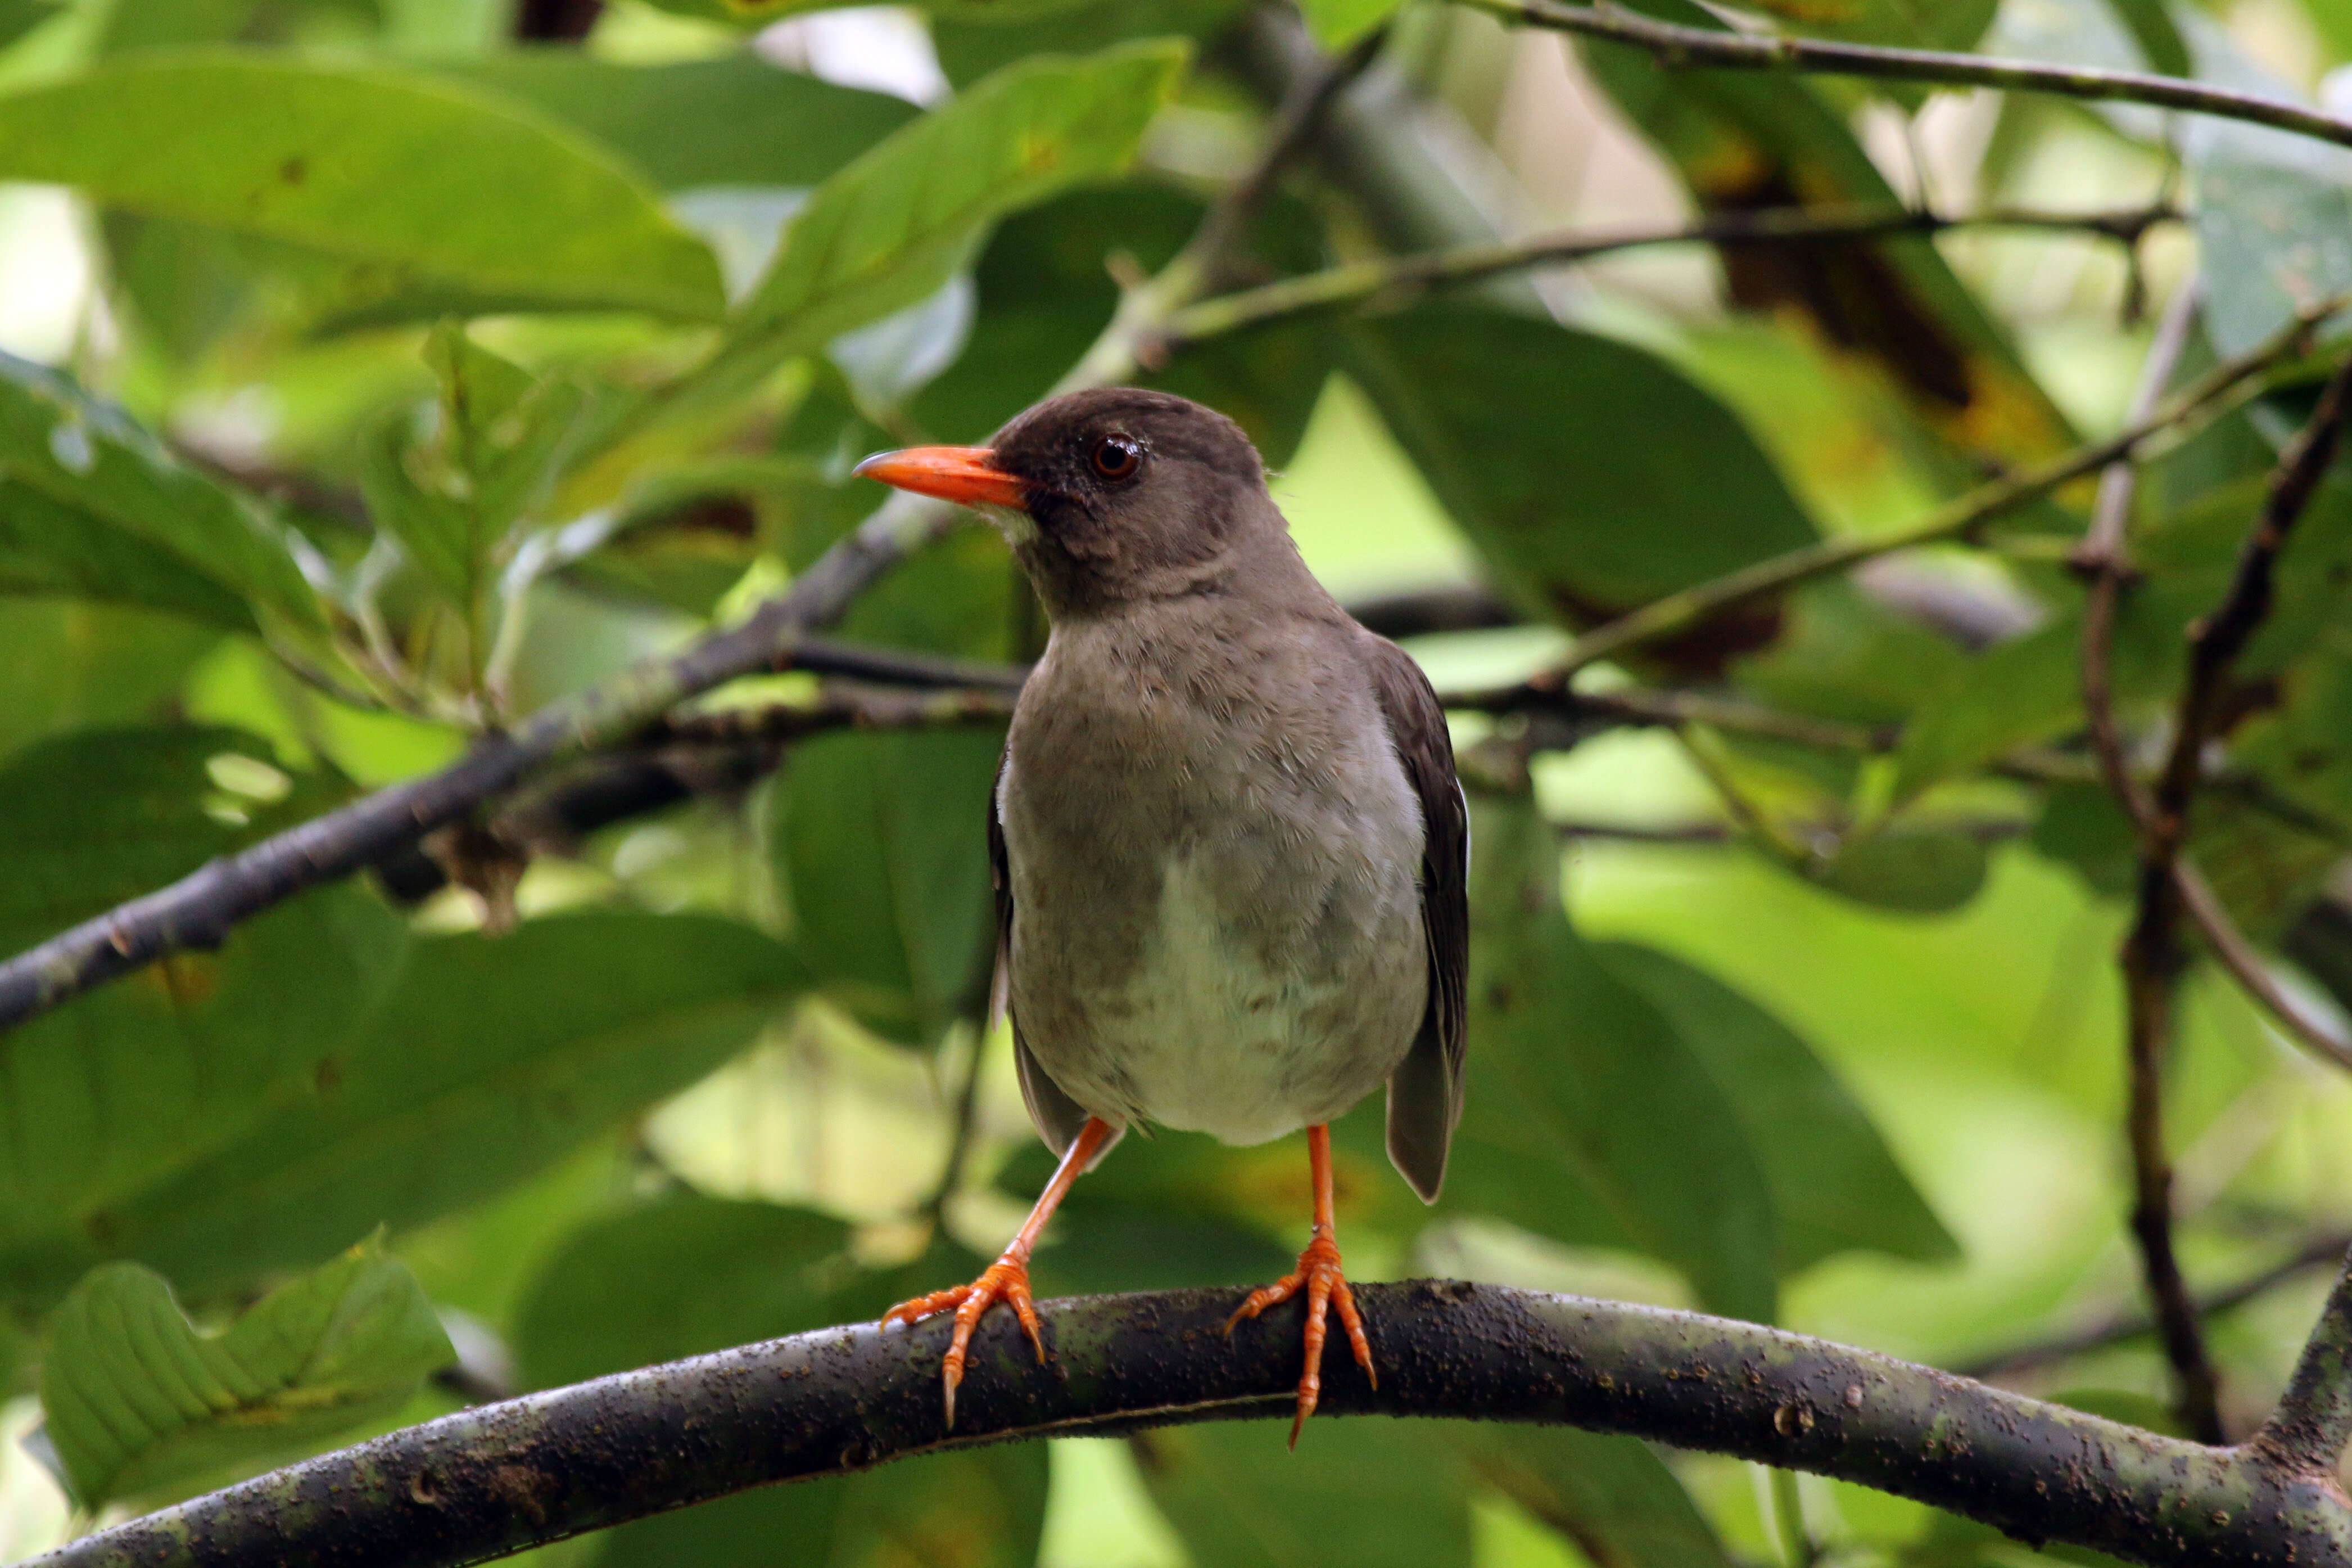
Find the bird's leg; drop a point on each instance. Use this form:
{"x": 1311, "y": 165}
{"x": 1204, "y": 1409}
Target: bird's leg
{"x": 1007, "y": 1278}
{"x": 1318, "y": 1275}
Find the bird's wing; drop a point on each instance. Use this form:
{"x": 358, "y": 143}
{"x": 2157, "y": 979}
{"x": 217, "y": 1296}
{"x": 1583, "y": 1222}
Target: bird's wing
{"x": 1425, "y": 1091}
{"x": 1058, "y": 1117}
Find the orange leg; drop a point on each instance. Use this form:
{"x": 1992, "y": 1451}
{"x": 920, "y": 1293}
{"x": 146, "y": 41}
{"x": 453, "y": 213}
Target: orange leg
{"x": 1007, "y": 1278}
{"x": 1318, "y": 1274}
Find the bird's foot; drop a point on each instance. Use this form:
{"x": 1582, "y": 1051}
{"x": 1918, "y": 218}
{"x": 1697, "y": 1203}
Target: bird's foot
{"x": 1006, "y": 1279}
{"x": 1318, "y": 1275}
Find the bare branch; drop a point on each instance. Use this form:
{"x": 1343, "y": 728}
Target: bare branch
{"x": 2245, "y": 965}
{"x": 1383, "y": 277}
{"x": 2313, "y": 1422}
{"x": 1683, "y": 47}
{"x": 495, "y": 1479}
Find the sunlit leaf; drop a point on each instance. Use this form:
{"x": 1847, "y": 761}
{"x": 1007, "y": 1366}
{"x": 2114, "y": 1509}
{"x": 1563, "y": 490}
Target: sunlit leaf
{"x": 895, "y": 224}
{"x": 354, "y": 161}
{"x": 1611, "y": 1496}
{"x": 138, "y": 1398}
{"x": 1355, "y": 1494}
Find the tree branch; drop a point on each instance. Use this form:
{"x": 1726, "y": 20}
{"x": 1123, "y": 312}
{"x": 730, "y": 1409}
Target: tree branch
{"x": 2313, "y": 1422}
{"x": 1960, "y": 518}
{"x": 498, "y": 1478}
{"x": 2237, "y": 955}
{"x": 1387, "y": 275}
{"x": 1681, "y": 46}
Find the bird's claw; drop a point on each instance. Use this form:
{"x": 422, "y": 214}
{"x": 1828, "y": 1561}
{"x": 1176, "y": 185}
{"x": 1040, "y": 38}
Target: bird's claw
{"x": 1319, "y": 1275}
{"x": 1006, "y": 1279}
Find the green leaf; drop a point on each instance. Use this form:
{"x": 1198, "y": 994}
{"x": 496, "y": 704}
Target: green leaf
{"x": 881, "y": 846}
{"x": 138, "y": 1399}
{"x": 92, "y": 504}
{"x": 1915, "y": 870}
{"x": 1543, "y": 445}
{"x": 1355, "y": 1494}
{"x": 488, "y": 1061}
{"x": 1954, "y": 24}
{"x": 982, "y": 1507}
{"x": 2024, "y": 691}
{"x": 895, "y": 224}
{"x": 68, "y": 665}
{"x": 354, "y": 161}
{"x": 676, "y": 1276}
{"x": 976, "y": 37}
{"x": 1613, "y": 1497}
{"x": 1337, "y": 24}
{"x": 1835, "y": 1184}
{"x": 1587, "y": 1117}
{"x": 731, "y": 120}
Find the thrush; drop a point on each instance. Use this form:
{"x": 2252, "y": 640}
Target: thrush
{"x": 1229, "y": 847}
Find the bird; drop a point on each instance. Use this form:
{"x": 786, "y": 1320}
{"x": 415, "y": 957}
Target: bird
{"x": 1229, "y": 847}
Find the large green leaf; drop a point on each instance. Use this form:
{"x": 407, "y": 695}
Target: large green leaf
{"x": 1589, "y": 1118}
{"x": 490, "y": 1060}
{"x": 138, "y": 1398}
{"x": 1611, "y": 1496}
{"x": 1546, "y": 446}
{"x": 731, "y": 120}
{"x": 354, "y": 161}
{"x": 676, "y": 1276}
{"x": 881, "y": 846}
{"x": 92, "y": 505}
{"x": 1355, "y": 1494}
{"x": 1835, "y": 1184}
{"x": 68, "y": 665}
{"x": 896, "y": 223}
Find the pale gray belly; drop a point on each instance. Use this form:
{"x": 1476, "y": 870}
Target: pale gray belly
{"x": 1246, "y": 1017}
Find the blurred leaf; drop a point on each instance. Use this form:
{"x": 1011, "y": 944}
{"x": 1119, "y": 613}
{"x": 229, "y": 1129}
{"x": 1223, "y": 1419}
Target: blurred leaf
{"x": 354, "y": 161}
{"x": 452, "y": 499}
{"x": 759, "y": 12}
{"x": 18, "y": 17}
{"x": 489, "y": 1061}
{"x": 2082, "y": 827}
{"x": 2018, "y": 692}
{"x": 981, "y": 1508}
{"x": 1611, "y": 1496}
{"x": 881, "y": 846}
{"x": 92, "y": 504}
{"x": 1046, "y": 290}
{"x": 1911, "y": 24}
{"x": 1355, "y": 1494}
{"x": 1835, "y": 1184}
{"x": 676, "y": 1276}
{"x": 896, "y": 223}
{"x": 733, "y": 120}
{"x": 67, "y": 665}
{"x": 137, "y": 1398}
{"x": 1842, "y": 655}
{"x": 1890, "y": 310}
{"x": 977, "y": 37}
{"x": 1588, "y": 1118}
{"x": 1337, "y": 24}
{"x": 1541, "y": 442}
{"x": 1917, "y": 870}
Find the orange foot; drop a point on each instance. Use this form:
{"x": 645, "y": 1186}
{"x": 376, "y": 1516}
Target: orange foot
{"x": 1318, "y": 1272}
{"x": 1006, "y": 1279}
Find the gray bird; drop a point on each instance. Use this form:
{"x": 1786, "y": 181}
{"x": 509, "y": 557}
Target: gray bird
{"x": 1230, "y": 849}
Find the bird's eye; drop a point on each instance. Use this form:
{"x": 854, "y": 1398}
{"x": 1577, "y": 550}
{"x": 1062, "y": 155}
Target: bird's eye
{"x": 1116, "y": 458}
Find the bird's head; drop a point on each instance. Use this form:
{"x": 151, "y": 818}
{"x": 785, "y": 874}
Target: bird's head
{"x": 1110, "y": 497}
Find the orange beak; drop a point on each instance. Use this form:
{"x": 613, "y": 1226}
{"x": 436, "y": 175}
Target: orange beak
{"x": 967, "y": 476}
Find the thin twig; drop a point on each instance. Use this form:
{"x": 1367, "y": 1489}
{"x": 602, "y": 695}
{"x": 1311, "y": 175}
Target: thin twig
{"x": 2229, "y": 945}
{"x": 1960, "y": 518}
{"x": 1384, "y": 276}
{"x": 2125, "y": 1326}
{"x": 1685, "y": 47}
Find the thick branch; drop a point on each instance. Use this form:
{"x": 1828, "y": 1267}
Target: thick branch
{"x": 1686, "y": 47}
{"x": 1383, "y": 276}
{"x": 1957, "y": 519}
{"x": 2308, "y": 1430}
{"x": 498, "y": 1478}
